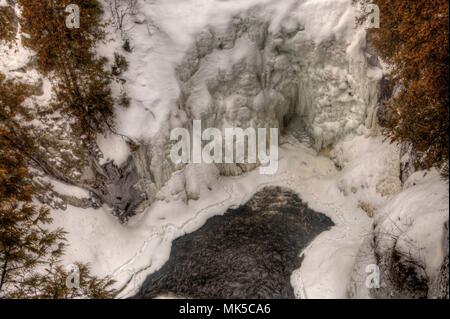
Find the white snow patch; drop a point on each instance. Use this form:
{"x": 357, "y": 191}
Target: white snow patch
{"x": 114, "y": 148}
{"x": 366, "y": 163}
{"x": 324, "y": 19}
{"x": 412, "y": 223}
{"x": 369, "y": 166}
{"x": 65, "y": 189}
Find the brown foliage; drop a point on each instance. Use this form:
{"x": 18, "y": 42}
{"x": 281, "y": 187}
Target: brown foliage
{"x": 413, "y": 38}
{"x": 51, "y": 284}
{"x": 8, "y": 24}
{"x": 29, "y": 250}
{"x": 57, "y": 46}
{"x": 13, "y": 170}
{"x": 81, "y": 83}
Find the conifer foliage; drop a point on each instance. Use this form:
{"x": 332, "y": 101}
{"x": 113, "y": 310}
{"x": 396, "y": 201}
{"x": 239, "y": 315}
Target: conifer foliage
{"x": 29, "y": 250}
{"x": 81, "y": 82}
{"x": 413, "y": 38}
{"x": 8, "y": 23}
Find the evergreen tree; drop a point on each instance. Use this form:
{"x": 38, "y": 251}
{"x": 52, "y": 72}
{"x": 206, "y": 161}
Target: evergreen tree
{"x": 29, "y": 251}
{"x": 413, "y": 39}
{"x": 81, "y": 82}
{"x": 8, "y": 23}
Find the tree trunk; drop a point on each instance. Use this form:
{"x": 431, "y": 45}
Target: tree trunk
{"x": 4, "y": 270}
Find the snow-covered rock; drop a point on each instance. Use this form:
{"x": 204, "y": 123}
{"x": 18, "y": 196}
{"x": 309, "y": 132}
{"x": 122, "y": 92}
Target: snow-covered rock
{"x": 244, "y": 64}
{"x": 409, "y": 243}
{"x": 251, "y": 73}
{"x": 369, "y": 166}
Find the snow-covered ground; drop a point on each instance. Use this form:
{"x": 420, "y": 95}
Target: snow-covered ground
{"x": 130, "y": 252}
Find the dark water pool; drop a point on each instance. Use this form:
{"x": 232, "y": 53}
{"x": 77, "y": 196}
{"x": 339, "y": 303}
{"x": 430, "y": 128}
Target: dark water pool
{"x": 249, "y": 252}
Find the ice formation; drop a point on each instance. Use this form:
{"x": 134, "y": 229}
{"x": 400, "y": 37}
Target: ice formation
{"x": 245, "y": 65}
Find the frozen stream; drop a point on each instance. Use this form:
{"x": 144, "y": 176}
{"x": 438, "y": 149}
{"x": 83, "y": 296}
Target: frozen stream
{"x": 250, "y": 252}
{"x": 130, "y": 253}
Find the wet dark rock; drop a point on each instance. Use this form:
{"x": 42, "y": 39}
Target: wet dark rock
{"x": 250, "y": 252}
{"x": 407, "y": 161}
{"x": 402, "y": 277}
{"x": 439, "y": 286}
{"x": 120, "y": 190}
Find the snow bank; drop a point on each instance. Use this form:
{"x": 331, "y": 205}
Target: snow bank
{"x": 409, "y": 241}
{"x": 415, "y": 219}
{"x": 351, "y": 196}
{"x": 114, "y": 148}
{"x": 65, "y": 189}
{"x": 369, "y": 167}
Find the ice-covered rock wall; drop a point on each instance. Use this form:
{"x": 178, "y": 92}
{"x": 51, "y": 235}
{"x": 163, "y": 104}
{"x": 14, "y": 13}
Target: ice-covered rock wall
{"x": 259, "y": 67}
{"x": 249, "y": 74}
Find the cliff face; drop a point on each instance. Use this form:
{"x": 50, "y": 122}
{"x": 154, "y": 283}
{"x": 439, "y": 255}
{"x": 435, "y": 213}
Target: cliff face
{"x": 300, "y": 66}
{"x": 248, "y": 73}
